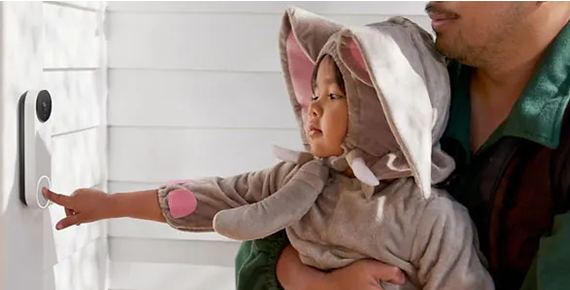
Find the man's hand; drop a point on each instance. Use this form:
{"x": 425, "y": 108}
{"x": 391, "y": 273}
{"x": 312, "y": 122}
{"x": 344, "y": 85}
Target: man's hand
{"x": 83, "y": 206}
{"x": 361, "y": 275}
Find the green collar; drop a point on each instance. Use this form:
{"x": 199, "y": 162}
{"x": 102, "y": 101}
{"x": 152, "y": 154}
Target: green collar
{"x": 537, "y": 114}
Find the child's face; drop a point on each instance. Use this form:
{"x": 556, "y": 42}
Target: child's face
{"x": 328, "y": 113}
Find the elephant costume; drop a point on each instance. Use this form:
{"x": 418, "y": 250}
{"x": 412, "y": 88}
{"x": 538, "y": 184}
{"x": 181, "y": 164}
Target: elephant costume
{"x": 398, "y": 95}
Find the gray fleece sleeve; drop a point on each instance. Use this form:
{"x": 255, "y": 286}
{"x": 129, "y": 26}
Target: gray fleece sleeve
{"x": 215, "y": 194}
{"x": 445, "y": 249}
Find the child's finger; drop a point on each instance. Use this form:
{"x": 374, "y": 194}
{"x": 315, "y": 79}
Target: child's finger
{"x": 68, "y": 221}
{"x": 57, "y": 198}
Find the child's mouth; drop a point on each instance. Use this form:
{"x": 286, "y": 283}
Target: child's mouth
{"x": 314, "y": 131}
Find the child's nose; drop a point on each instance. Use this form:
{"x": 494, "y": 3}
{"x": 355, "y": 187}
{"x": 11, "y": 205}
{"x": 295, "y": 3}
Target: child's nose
{"x": 315, "y": 110}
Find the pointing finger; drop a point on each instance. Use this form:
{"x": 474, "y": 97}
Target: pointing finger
{"x": 57, "y": 198}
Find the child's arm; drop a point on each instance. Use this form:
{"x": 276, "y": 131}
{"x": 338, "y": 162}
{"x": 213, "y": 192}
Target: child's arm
{"x": 212, "y": 194}
{"x": 445, "y": 249}
{"x": 248, "y": 206}
{"x": 88, "y": 205}
{"x": 139, "y": 204}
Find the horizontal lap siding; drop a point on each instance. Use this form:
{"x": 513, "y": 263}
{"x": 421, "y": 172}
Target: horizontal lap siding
{"x": 75, "y": 74}
{"x": 161, "y": 154}
{"x": 209, "y": 41}
{"x": 195, "y": 89}
{"x": 198, "y": 99}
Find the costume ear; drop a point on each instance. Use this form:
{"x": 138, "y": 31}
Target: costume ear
{"x": 352, "y": 58}
{"x": 302, "y": 36}
{"x": 300, "y": 69}
{"x": 386, "y": 59}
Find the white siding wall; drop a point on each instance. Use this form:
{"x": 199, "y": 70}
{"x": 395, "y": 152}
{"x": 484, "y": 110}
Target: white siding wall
{"x": 58, "y": 46}
{"x": 74, "y": 71}
{"x": 21, "y": 236}
{"x": 195, "y": 90}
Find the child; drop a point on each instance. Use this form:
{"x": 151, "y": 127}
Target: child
{"x": 371, "y": 116}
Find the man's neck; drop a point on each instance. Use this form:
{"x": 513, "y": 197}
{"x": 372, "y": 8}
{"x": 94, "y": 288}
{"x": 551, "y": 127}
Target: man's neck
{"x": 508, "y": 73}
{"x": 497, "y": 84}
{"x": 493, "y": 95}
{"x": 508, "y": 80}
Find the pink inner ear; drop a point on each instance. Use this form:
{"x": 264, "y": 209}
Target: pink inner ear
{"x": 300, "y": 70}
{"x": 355, "y": 62}
{"x": 356, "y": 55}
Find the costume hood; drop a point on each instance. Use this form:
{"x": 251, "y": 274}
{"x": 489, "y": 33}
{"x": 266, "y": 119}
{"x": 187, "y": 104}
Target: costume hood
{"x": 397, "y": 88}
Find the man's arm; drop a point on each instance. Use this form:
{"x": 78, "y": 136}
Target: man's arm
{"x": 364, "y": 274}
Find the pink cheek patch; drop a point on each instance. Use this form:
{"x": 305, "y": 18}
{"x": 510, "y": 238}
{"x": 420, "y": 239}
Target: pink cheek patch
{"x": 182, "y": 203}
{"x": 177, "y": 182}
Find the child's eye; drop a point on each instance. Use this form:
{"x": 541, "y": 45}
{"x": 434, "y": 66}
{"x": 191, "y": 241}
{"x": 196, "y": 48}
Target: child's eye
{"x": 334, "y": 96}
{"x": 314, "y": 98}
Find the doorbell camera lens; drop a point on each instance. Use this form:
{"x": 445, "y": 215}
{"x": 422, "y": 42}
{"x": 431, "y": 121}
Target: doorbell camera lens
{"x": 43, "y": 106}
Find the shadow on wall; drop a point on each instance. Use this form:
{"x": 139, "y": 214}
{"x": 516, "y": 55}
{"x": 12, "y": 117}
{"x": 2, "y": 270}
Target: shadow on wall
{"x": 23, "y": 246}
{"x": 31, "y": 248}
{"x": 38, "y": 257}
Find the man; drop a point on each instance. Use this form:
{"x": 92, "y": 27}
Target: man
{"x": 510, "y": 75}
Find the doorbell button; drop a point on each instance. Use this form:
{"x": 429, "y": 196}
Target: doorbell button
{"x": 44, "y": 181}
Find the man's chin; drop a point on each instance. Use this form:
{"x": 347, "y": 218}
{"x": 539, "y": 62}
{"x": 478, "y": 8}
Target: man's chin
{"x": 441, "y": 45}
{"x": 447, "y": 48}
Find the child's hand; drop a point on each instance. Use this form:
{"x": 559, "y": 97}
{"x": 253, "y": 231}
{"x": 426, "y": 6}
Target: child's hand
{"x": 83, "y": 206}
